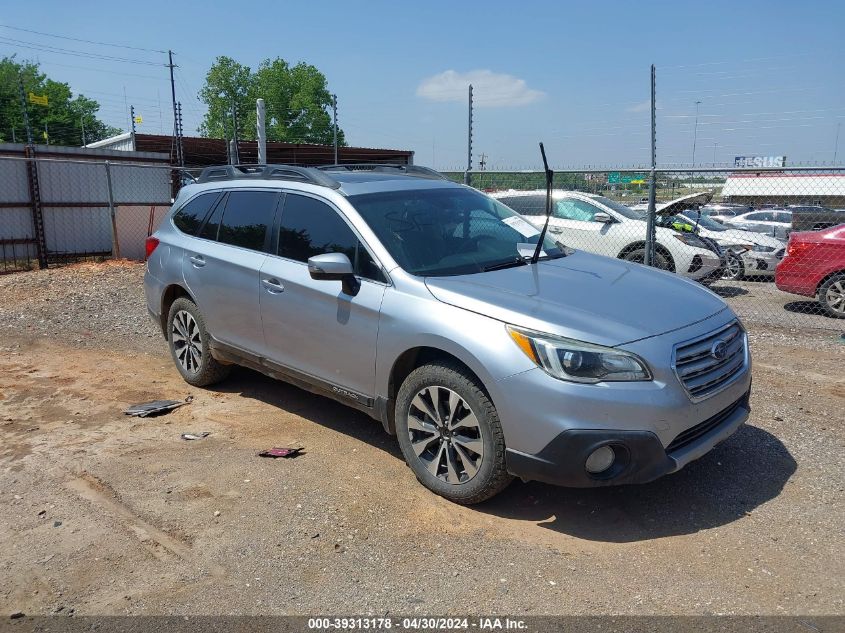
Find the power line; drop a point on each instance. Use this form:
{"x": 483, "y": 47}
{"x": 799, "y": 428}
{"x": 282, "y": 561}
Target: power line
{"x": 66, "y": 51}
{"x": 76, "y": 39}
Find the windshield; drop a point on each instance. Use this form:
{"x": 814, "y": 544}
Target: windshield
{"x": 454, "y": 231}
{"x": 705, "y": 221}
{"x": 619, "y": 208}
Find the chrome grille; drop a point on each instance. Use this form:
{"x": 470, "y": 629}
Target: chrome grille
{"x": 702, "y": 369}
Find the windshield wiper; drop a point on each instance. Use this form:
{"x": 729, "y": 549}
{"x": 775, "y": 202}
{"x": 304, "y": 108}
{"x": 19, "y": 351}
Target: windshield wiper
{"x": 510, "y": 263}
{"x": 550, "y": 175}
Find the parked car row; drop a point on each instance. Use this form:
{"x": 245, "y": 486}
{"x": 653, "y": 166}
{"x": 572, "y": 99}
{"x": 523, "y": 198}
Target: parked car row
{"x": 603, "y": 226}
{"x": 704, "y": 241}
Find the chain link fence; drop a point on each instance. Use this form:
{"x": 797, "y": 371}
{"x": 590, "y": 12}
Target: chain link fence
{"x": 57, "y": 210}
{"x": 771, "y": 242}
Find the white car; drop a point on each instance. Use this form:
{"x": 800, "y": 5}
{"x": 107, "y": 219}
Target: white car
{"x": 599, "y": 225}
{"x": 748, "y": 253}
{"x": 774, "y": 222}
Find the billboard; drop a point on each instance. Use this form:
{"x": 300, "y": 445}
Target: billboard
{"x": 759, "y": 161}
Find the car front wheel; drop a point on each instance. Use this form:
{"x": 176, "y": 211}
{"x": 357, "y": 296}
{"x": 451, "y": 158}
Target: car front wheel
{"x": 734, "y": 268}
{"x": 450, "y": 434}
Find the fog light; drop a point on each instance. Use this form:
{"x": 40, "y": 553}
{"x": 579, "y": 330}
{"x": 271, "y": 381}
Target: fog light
{"x": 600, "y": 460}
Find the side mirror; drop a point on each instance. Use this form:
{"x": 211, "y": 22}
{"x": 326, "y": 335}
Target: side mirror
{"x": 602, "y": 217}
{"x": 334, "y": 267}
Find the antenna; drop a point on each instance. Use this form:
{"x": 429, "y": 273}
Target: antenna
{"x": 550, "y": 176}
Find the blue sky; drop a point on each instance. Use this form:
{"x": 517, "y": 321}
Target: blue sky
{"x": 769, "y": 75}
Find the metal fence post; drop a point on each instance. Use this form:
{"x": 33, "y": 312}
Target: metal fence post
{"x": 652, "y": 182}
{"x": 115, "y": 243}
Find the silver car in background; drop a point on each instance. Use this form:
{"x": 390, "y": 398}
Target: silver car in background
{"x": 418, "y": 301}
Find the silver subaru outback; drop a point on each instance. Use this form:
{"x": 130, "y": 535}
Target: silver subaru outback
{"x": 418, "y": 301}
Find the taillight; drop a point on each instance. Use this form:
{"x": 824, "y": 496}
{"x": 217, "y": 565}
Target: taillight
{"x": 150, "y": 245}
{"x": 796, "y": 248}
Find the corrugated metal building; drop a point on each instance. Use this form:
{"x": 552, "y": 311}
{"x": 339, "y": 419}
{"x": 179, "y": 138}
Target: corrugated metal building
{"x": 201, "y": 152}
{"x": 815, "y": 188}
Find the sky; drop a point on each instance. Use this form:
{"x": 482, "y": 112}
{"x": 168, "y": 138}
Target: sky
{"x": 769, "y": 76}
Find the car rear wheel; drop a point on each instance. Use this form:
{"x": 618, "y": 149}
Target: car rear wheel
{"x": 188, "y": 340}
{"x": 734, "y": 268}
{"x": 832, "y": 296}
{"x": 450, "y": 434}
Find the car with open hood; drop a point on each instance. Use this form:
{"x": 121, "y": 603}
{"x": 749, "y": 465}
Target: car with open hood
{"x": 599, "y": 225}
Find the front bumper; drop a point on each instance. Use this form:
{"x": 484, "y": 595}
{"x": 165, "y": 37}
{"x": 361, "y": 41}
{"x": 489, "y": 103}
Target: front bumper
{"x": 760, "y": 264}
{"x": 705, "y": 265}
{"x": 640, "y": 455}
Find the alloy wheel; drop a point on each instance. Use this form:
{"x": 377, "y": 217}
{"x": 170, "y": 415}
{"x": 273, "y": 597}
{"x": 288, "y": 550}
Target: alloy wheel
{"x": 445, "y": 435}
{"x": 835, "y": 296}
{"x": 733, "y": 268}
{"x": 187, "y": 344}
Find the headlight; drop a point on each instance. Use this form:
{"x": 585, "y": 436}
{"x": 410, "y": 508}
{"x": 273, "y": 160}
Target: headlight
{"x": 690, "y": 239}
{"x": 567, "y": 359}
{"x": 759, "y": 248}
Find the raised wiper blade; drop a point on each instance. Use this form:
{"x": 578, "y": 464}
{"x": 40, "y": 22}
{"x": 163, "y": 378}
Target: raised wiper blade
{"x": 511, "y": 263}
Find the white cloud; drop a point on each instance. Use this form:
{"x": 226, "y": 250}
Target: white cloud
{"x": 489, "y": 89}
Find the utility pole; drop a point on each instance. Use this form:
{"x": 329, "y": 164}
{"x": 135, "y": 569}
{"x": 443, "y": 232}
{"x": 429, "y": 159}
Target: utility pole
{"x": 262, "y": 132}
{"x": 25, "y": 113}
{"x": 132, "y": 117}
{"x": 652, "y": 178}
{"x": 179, "y": 147}
{"x": 174, "y": 145}
{"x": 235, "y": 157}
{"x": 334, "y": 126}
{"x": 467, "y": 177}
{"x": 482, "y": 162}
{"x": 82, "y": 124}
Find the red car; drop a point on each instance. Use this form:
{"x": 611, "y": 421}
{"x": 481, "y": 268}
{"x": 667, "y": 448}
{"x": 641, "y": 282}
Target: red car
{"x": 814, "y": 266}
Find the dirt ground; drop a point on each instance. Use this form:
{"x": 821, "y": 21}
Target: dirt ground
{"x": 107, "y": 514}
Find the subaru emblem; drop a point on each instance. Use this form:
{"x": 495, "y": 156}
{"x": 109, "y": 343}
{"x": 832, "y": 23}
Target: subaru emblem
{"x": 719, "y": 350}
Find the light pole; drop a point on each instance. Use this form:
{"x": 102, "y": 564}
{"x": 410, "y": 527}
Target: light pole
{"x": 695, "y": 132}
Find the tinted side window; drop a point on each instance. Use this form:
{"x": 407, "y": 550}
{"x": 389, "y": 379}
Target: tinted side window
{"x": 189, "y": 217}
{"x": 212, "y": 224}
{"x": 246, "y": 218}
{"x": 310, "y": 227}
{"x": 574, "y": 209}
{"x": 526, "y": 205}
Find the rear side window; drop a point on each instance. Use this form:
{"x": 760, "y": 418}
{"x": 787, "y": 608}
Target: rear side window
{"x": 246, "y": 218}
{"x": 190, "y": 216}
{"x": 310, "y": 227}
{"x": 526, "y": 205}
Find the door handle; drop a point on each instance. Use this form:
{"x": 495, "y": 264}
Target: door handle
{"x": 273, "y": 286}
{"x": 197, "y": 261}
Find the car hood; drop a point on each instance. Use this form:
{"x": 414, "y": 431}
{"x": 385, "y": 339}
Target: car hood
{"x": 587, "y": 297}
{"x": 678, "y": 205}
{"x": 739, "y": 236}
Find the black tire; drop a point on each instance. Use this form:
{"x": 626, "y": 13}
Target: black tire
{"x": 491, "y": 476}
{"x": 738, "y": 268}
{"x": 660, "y": 260}
{"x": 207, "y": 370}
{"x": 829, "y": 292}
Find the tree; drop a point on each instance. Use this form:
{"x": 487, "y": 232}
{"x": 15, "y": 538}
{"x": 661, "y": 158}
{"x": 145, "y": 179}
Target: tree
{"x": 63, "y": 116}
{"x": 297, "y": 100}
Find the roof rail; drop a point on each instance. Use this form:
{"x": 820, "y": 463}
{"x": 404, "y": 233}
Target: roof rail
{"x": 267, "y": 172}
{"x": 408, "y": 170}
